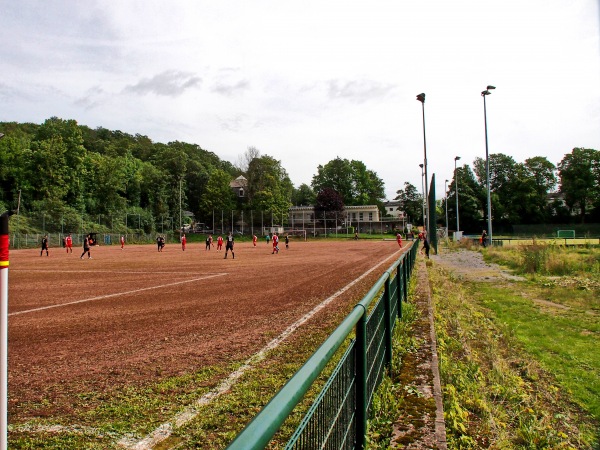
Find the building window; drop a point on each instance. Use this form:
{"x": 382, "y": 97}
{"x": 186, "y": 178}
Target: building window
{"x": 370, "y": 217}
{"x": 241, "y": 192}
{"x": 353, "y": 216}
{"x": 360, "y": 216}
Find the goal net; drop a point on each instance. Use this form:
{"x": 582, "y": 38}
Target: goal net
{"x": 301, "y": 234}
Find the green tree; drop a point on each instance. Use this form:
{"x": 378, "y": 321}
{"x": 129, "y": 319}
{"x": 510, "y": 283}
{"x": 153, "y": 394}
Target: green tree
{"x": 352, "y": 180}
{"x": 303, "y": 196}
{"x": 329, "y": 204}
{"x": 411, "y": 202}
{"x": 579, "y": 180}
{"x": 470, "y": 201}
{"x": 217, "y": 194}
{"x": 15, "y": 157}
{"x": 518, "y": 190}
{"x": 48, "y": 170}
{"x": 106, "y": 184}
{"x": 269, "y": 186}
{"x": 73, "y": 156}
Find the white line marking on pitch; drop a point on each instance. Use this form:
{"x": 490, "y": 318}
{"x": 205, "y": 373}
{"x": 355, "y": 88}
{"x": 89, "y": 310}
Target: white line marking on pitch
{"x": 93, "y": 299}
{"x": 95, "y": 271}
{"x": 166, "y": 429}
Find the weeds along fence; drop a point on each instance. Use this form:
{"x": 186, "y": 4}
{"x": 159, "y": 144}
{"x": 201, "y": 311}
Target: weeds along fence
{"x": 338, "y": 416}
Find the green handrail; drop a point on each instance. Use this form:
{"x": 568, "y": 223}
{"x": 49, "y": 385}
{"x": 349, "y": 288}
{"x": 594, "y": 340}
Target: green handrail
{"x": 258, "y": 433}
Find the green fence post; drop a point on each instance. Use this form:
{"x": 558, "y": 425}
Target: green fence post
{"x": 400, "y": 286}
{"x": 405, "y": 277}
{"x": 387, "y": 306}
{"x": 361, "y": 381}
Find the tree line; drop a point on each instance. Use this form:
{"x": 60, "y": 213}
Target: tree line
{"x": 532, "y": 192}
{"x": 69, "y": 176}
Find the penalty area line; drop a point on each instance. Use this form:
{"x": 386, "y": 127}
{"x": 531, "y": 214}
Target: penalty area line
{"x": 101, "y": 297}
{"x": 164, "y": 431}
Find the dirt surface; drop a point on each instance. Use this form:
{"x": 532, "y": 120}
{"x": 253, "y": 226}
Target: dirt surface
{"x": 135, "y": 316}
{"x": 470, "y": 265}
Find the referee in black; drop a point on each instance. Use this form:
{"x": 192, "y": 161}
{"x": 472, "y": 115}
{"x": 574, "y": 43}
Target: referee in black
{"x": 229, "y": 246}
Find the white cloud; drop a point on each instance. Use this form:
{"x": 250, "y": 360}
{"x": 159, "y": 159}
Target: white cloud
{"x": 170, "y": 83}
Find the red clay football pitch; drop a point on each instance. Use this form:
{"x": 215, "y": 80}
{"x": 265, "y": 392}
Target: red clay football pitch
{"x": 132, "y": 316}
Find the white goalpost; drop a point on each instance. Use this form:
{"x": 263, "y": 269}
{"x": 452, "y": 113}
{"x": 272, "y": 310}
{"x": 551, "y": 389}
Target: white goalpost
{"x": 296, "y": 233}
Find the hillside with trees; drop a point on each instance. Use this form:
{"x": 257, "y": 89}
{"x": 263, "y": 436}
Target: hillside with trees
{"x": 69, "y": 173}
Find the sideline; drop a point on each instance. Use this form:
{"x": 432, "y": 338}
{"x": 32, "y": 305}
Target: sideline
{"x": 164, "y": 431}
{"x": 101, "y": 297}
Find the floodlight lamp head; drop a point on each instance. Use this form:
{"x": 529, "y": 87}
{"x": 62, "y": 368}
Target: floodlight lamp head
{"x": 456, "y": 158}
{"x": 484, "y": 93}
{"x": 421, "y": 166}
{"x": 421, "y": 97}
{"x": 489, "y": 88}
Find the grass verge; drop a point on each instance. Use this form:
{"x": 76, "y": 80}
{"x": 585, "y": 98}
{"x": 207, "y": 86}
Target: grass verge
{"x": 497, "y": 393}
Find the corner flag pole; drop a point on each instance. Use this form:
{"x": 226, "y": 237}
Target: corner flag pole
{"x": 4, "y": 330}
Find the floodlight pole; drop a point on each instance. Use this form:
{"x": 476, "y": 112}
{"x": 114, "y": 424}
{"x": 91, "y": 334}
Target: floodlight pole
{"x": 421, "y": 98}
{"x": 456, "y": 158}
{"x": 446, "y": 203}
{"x": 423, "y": 193}
{"x": 487, "y": 164}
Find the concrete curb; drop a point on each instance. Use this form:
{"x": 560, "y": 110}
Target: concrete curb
{"x": 440, "y": 425}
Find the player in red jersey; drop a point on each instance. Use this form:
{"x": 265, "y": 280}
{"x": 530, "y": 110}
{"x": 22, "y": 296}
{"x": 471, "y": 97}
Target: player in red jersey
{"x": 69, "y": 243}
{"x": 122, "y": 242}
{"x": 275, "y": 243}
{"x": 254, "y": 239}
{"x": 183, "y": 242}
{"x": 220, "y": 243}
{"x": 399, "y": 239}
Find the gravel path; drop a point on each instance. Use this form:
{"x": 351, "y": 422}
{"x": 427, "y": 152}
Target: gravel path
{"x": 470, "y": 265}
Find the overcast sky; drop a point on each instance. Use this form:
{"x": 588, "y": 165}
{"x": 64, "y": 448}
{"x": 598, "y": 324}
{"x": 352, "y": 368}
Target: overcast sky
{"x": 307, "y": 81}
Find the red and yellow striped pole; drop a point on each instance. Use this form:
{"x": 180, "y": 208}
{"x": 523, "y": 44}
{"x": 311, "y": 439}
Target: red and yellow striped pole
{"x": 4, "y": 243}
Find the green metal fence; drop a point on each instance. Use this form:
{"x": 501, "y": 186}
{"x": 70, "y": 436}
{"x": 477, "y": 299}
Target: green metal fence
{"x": 338, "y": 416}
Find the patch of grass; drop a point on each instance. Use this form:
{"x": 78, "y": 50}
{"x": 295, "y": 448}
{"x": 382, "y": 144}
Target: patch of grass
{"x": 565, "y": 342}
{"x": 102, "y": 417}
{"x": 495, "y": 392}
{"x": 221, "y": 421}
{"x": 547, "y": 259}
